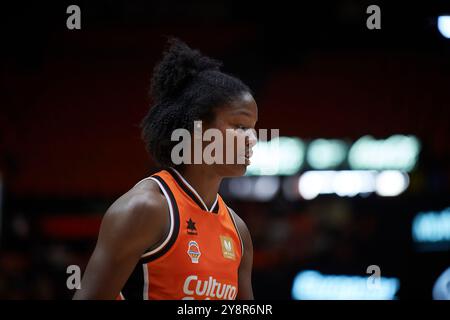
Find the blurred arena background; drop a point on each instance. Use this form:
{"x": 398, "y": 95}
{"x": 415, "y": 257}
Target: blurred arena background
{"x": 364, "y": 175}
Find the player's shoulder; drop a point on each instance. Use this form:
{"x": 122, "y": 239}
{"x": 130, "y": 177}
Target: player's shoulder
{"x": 142, "y": 204}
{"x": 139, "y": 217}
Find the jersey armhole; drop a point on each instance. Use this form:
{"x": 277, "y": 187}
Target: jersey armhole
{"x": 163, "y": 246}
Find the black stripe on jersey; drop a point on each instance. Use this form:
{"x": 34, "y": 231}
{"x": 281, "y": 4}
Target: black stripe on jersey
{"x": 190, "y": 193}
{"x": 133, "y": 287}
{"x": 176, "y": 227}
{"x": 186, "y": 189}
{"x": 216, "y": 206}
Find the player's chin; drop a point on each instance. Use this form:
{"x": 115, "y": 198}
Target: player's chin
{"x": 237, "y": 170}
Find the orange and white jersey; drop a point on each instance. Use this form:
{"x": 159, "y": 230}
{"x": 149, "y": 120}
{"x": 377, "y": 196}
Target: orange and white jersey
{"x": 200, "y": 256}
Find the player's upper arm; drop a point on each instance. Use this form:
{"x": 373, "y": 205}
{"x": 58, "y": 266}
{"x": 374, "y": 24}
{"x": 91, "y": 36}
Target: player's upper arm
{"x": 129, "y": 227}
{"x": 245, "y": 290}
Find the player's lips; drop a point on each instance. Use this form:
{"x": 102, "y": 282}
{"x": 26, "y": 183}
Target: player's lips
{"x": 248, "y": 153}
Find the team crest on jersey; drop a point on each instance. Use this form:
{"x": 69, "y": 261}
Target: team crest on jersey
{"x": 191, "y": 229}
{"x": 194, "y": 251}
{"x": 227, "y": 247}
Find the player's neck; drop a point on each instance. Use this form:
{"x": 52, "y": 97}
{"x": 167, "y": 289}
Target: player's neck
{"x": 204, "y": 181}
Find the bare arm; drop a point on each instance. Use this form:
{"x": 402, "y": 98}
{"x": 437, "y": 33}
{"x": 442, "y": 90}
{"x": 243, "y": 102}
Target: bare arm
{"x": 245, "y": 290}
{"x": 132, "y": 224}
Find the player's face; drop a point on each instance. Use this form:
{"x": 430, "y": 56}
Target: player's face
{"x": 237, "y": 122}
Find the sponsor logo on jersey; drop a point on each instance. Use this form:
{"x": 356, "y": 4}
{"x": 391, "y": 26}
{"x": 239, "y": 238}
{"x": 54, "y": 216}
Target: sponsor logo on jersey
{"x": 209, "y": 288}
{"x": 193, "y": 251}
{"x": 227, "y": 247}
{"x": 191, "y": 229}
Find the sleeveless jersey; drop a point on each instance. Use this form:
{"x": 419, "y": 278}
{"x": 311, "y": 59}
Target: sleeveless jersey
{"x": 199, "y": 257}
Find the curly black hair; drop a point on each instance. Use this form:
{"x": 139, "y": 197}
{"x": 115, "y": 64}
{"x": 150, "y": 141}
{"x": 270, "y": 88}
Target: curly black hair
{"x": 186, "y": 86}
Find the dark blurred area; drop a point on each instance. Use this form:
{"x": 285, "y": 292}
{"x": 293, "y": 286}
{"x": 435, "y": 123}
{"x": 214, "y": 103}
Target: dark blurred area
{"x": 71, "y": 102}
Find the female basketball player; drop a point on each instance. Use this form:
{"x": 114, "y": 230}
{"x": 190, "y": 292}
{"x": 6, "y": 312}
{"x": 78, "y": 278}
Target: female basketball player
{"x": 172, "y": 236}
